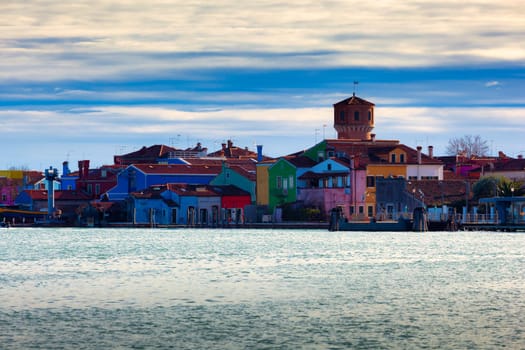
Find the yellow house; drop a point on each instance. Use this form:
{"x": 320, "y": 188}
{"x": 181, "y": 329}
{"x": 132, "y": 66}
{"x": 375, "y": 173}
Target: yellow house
{"x": 12, "y": 174}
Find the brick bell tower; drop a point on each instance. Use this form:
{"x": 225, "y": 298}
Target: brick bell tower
{"x": 354, "y": 118}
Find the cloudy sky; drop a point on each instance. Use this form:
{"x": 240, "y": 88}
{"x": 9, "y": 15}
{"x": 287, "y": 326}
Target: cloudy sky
{"x": 89, "y": 79}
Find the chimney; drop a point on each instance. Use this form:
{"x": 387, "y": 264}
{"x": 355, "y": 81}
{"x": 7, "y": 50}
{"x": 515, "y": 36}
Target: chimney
{"x": 223, "y": 146}
{"x": 431, "y": 151}
{"x": 65, "y": 168}
{"x": 83, "y": 168}
{"x": 419, "y": 154}
{"x": 230, "y": 144}
{"x": 259, "y": 153}
{"x": 373, "y": 137}
{"x": 86, "y": 167}
{"x": 80, "y": 169}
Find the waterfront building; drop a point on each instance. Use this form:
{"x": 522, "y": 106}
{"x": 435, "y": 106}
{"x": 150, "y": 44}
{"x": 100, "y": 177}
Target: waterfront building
{"x": 366, "y": 158}
{"x": 66, "y": 202}
{"x": 138, "y": 177}
{"x": 242, "y": 175}
{"x": 276, "y": 183}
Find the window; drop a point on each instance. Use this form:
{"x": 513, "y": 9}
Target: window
{"x": 401, "y": 158}
{"x": 356, "y": 115}
{"x": 4, "y": 197}
{"x": 329, "y": 167}
{"x": 369, "y": 115}
{"x": 393, "y": 158}
{"x": 370, "y": 211}
{"x": 370, "y": 181}
{"x": 285, "y": 184}
{"x": 290, "y": 180}
{"x": 342, "y": 116}
{"x": 89, "y": 188}
{"x": 361, "y": 209}
{"x": 279, "y": 182}
{"x": 97, "y": 188}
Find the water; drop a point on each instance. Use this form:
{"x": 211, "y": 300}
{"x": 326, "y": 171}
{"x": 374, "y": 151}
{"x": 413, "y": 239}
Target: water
{"x": 260, "y": 289}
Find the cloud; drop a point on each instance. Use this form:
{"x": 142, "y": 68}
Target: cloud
{"x": 56, "y": 40}
{"x": 96, "y": 132}
{"x": 492, "y": 83}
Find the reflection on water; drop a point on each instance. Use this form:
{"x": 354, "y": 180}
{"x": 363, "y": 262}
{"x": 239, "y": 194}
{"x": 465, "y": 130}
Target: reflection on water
{"x": 75, "y": 288}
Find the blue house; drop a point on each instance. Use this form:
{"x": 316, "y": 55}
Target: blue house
{"x": 138, "y": 177}
{"x": 175, "y": 204}
{"x": 197, "y": 204}
{"x": 150, "y": 207}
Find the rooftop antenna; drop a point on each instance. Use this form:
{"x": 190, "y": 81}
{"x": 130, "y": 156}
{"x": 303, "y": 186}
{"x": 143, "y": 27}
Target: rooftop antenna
{"x": 355, "y": 86}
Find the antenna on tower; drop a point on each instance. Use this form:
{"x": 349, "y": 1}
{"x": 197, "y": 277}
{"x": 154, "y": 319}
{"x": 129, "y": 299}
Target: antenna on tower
{"x": 355, "y": 86}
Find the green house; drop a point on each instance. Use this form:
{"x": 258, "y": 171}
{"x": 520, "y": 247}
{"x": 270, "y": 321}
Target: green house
{"x": 240, "y": 175}
{"x": 276, "y": 183}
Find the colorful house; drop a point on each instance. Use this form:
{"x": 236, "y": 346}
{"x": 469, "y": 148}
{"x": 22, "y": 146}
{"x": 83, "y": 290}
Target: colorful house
{"x": 139, "y": 177}
{"x": 13, "y": 182}
{"x": 151, "y": 207}
{"x": 367, "y": 157}
{"x": 242, "y": 175}
{"x": 66, "y": 202}
{"x": 276, "y": 183}
{"x": 325, "y": 186}
{"x": 198, "y": 204}
{"x": 233, "y": 203}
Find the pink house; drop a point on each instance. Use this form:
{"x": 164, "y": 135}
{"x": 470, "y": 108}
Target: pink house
{"x": 332, "y": 183}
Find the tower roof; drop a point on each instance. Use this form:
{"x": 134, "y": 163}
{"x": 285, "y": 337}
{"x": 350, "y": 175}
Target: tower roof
{"x": 354, "y": 100}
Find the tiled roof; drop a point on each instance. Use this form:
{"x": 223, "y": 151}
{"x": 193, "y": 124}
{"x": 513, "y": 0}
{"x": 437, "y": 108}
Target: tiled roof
{"x": 247, "y": 172}
{"x": 144, "y": 155}
{"x": 354, "y": 100}
{"x": 511, "y": 165}
{"x": 41, "y": 195}
{"x": 435, "y": 192}
{"x": 152, "y": 192}
{"x": 372, "y": 152}
{"x": 174, "y": 169}
{"x": 301, "y": 161}
{"x": 192, "y": 190}
{"x": 229, "y": 190}
{"x": 230, "y": 151}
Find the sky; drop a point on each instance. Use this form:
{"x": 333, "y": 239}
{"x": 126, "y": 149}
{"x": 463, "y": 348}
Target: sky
{"x": 92, "y": 78}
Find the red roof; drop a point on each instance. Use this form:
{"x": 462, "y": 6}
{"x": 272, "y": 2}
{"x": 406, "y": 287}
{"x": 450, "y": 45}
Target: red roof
{"x": 228, "y": 150}
{"x": 144, "y": 155}
{"x": 376, "y": 152}
{"x": 511, "y": 165}
{"x": 192, "y": 190}
{"x": 354, "y": 100}
{"x": 179, "y": 169}
{"x": 63, "y": 195}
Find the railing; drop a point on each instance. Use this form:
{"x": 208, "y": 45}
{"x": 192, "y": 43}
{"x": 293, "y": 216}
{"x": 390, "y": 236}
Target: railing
{"x": 481, "y": 219}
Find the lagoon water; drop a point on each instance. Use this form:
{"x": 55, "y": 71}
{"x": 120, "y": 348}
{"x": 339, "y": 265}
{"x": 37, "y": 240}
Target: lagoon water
{"x": 260, "y": 289}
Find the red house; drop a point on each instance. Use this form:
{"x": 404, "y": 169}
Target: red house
{"x": 233, "y": 202}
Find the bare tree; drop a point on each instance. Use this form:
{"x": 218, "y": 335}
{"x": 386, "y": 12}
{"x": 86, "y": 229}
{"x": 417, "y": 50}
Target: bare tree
{"x": 468, "y": 146}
